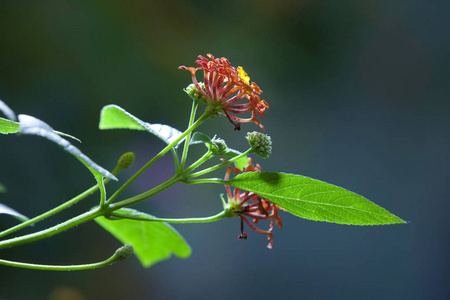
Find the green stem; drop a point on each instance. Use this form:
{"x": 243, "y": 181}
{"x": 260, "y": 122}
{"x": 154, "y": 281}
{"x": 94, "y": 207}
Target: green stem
{"x": 87, "y": 216}
{"x": 117, "y": 256}
{"x": 51, "y": 212}
{"x": 52, "y": 230}
{"x": 101, "y": 185}
{"x": 175, "y": 159}
{"x": 204, "y": 117}
{"x": 200, "y": 161}
{"x": 188, "y": 137}
{"x": 206, "y": 180}
{"x": 218, "y": 166}
{"x": 145, "y": 195}
{"x": 219, "y": 216}
{"x": 59, "y": 208}
{"x": 99, "y": 211}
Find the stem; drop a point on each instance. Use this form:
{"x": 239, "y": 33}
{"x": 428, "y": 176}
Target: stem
{"x": 51, "y": 212}
{"x": 175, "y": 159}
{"x": 204, "y": 117}
{"x": 188, "y": 137}
{"x": 101, "y": 185}
{"x": 59, "y": 208}
{"x": 52, "y": 230}
{"x": 201, "y": 160}
{"x": 87, "y": 216}
{"x": 145, "y": 195}
{"x": 99, "y": 211}
{"x": 218, "y": 166}
{"x": 114, "y": 258}
{"x": 206, "y": 180}
{"x": 219, "y": 216}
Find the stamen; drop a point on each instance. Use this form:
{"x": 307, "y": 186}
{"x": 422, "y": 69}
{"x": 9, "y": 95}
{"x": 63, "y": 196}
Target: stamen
{"x": 237, "y": 126}
{"x": 243, "y": 235}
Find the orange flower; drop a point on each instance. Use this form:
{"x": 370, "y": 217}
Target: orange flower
{"x": 224, "y": 87}
{"x": 250, "y": 205}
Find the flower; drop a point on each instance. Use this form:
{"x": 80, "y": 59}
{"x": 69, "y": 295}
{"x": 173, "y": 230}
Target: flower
{"x": 224, "y": 86}
{"x": 248, "y": 205}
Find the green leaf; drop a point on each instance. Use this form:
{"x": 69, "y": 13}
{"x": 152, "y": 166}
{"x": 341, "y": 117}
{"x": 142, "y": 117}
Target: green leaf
{"x": 313, "y": 199}
{"x": 152, "y": 241}
{"x": 241, "y": 163}
{"x": 2, "y": 188}
{"x": 8, "y": 126}
{"x": 200, "y": 138}
{"x": 31, "y": 125}
{"x": 115, "y": 117}
{"x": 9, "y": 211}
{"x": 8, "y": 112}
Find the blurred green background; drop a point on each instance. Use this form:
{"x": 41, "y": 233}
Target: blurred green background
{"x": 359, "y": 97}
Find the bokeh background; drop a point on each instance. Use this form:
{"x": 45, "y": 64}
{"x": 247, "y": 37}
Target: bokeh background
{"x": 359, "y": 97}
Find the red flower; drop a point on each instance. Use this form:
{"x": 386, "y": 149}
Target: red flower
{"x": 224, "y": 87}
{"x": 248, "y": 205}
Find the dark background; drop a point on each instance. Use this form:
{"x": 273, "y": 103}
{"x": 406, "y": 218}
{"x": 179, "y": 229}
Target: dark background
{"x": 359, "y": 97}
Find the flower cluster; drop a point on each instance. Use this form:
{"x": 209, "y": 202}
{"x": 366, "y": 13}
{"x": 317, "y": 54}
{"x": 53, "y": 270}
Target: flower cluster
{"x": 261, "y": 143}
{"x": 224, "y": 86}
{"x": 248, "y": 205}
{"x": 228, "y": 91}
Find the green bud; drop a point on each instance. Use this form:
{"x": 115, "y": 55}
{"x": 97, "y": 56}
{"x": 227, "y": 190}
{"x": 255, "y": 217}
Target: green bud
{"x": 194, "y": 93}
{"x": 261, "y": 143}
{"x": 218, "y": 146}
{"x": 126, "y": 160}
{"x": 124, "y": 252}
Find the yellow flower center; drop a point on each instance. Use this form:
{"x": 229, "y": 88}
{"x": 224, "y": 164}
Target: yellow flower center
{"x": 243, "y": 75}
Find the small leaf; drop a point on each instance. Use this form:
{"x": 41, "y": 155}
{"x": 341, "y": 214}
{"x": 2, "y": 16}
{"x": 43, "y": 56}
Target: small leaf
{"x": 8, "y": 112}
{"x": 217, "y": 146}
{"x": 152, "y": 241}
{"x": 9, "y": 211}
{"x": 33, "y": 126}
{"x": 200, "y": 138}
{"x": 242, "y": 162}
{"x": 2, "y": 188}
{"x": 8, "y": 126}
{"x": 115, "y": 117}
{"x": 313, "y": 199}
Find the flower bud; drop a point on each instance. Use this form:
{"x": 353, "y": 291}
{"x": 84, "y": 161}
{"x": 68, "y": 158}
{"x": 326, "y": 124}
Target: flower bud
{"x": 126, "y": 160}
{"x": 218, "y": 146}
{"x": 124, "y": 252}
{"x": 194, "y": 93}
{"x": 261, "y": 143}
